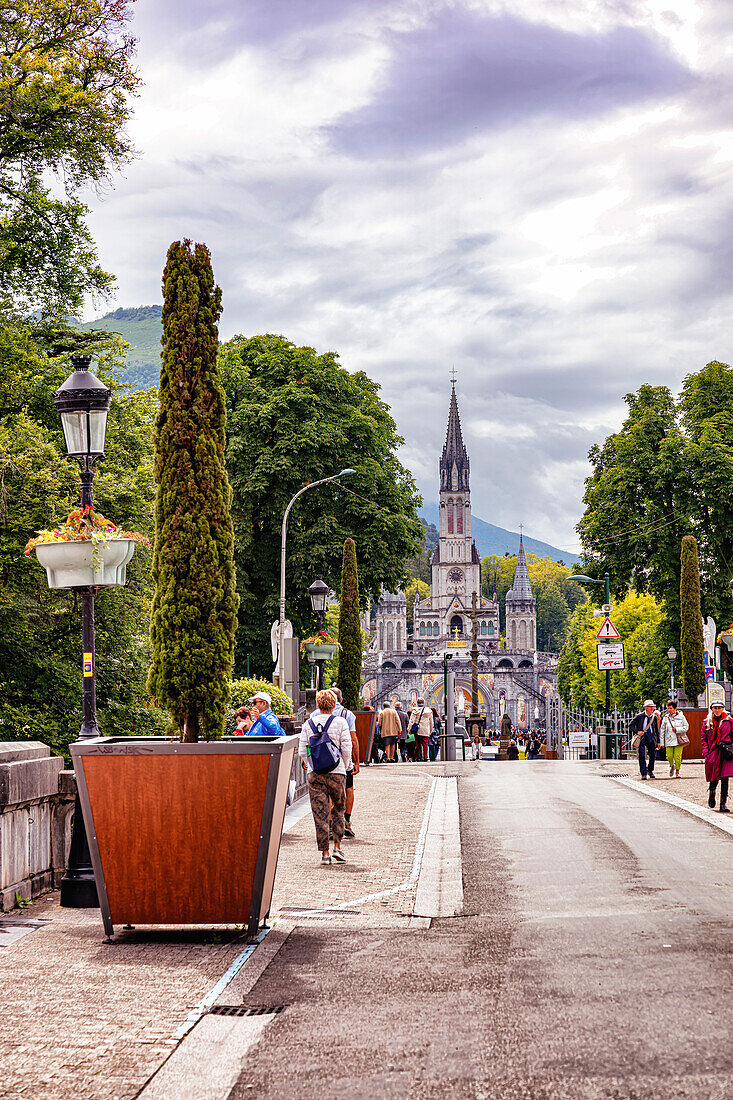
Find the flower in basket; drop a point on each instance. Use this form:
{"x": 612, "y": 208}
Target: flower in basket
{"x": 84, "y": 524}
{"x": 321, "y": 638}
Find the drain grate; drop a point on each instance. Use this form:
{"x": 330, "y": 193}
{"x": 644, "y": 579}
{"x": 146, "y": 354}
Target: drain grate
{"x": 243, "y": 1010}
{"x": 615, "y": 775}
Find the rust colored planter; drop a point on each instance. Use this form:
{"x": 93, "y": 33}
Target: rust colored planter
{"x": 366, "y": 721}
{"x": 184, "y": 834}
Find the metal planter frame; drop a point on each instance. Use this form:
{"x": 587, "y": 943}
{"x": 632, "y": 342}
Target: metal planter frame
{"x": 281, "y": 752}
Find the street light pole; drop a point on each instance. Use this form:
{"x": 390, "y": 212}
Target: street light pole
{"x": 672, "y": 656}
{"x": 83, "y": 403}
{"x": 606, "y": 582}
{"x": 283, "y": 537}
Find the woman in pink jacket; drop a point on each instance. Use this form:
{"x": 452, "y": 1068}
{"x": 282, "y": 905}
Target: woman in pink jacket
{"x": 717, "y": 727}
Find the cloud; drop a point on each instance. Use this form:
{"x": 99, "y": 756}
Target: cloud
{"x": 465, "y": 73}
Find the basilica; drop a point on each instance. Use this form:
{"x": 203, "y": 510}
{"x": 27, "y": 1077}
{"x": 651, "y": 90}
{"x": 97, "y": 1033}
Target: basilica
{"x": 514, "y": 679}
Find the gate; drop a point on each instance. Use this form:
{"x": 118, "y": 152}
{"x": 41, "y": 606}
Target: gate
{"x": 577, "y": 733}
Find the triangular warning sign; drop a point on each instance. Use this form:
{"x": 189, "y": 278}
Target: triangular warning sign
{"x": 607, "y": 631}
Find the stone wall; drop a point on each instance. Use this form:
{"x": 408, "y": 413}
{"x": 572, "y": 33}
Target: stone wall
{"x": 36, "y": 808}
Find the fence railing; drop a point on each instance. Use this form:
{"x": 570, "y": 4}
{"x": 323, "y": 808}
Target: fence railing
{"x": 577, "y": 733}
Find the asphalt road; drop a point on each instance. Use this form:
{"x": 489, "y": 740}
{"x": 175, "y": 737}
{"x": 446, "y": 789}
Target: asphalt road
{"x": 593, "y": 960}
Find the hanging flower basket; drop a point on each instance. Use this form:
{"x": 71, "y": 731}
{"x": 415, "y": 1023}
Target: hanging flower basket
{"x": 323, "y": 652}
{"x": 72, "y": 564}
{"x": 86, "y": 550}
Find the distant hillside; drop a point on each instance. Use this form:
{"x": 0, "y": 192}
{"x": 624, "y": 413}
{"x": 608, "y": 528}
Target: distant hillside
{"x": 496, "y": 540}
{"x": 142, "y": 328}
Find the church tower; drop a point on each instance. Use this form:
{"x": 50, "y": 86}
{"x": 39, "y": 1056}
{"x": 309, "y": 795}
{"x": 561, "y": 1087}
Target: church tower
{"x": 456, "y": 566}
{"x": 521, "y": 608}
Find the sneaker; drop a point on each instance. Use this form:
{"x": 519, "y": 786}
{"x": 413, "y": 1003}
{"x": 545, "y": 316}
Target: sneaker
{"x": 338, "y": 855}
{"x": 348, "y": 831}
{"x": 643, "y": 777}
{"x": 325, "y": 858}
{"x": 671, "y": 773}
{"x": 723, "y": 810}
{"x": 651, "y": 775}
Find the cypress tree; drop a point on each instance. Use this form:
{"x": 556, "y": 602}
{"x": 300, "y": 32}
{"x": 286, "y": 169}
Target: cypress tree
{"x": 691, "y": 641}
{"x": 349, "y": 677}
{"x": 194, "y": 613}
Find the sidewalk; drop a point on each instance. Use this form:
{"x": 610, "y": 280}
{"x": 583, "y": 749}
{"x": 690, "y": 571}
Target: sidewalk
{"x": 96, "y": 1020}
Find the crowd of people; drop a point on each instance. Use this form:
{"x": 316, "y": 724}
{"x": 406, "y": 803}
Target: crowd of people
{"x": 403, "y": 737}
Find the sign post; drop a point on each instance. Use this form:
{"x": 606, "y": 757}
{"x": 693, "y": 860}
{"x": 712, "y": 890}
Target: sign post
{"x": 610, "y": 656}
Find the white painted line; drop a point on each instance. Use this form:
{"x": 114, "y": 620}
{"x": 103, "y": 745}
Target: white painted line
{"x": 704, "y": 813}
{"x": 206, "y": 1002}
{"x": 440, "y": 882}
{"x": 296, "y": 812}
{"x": 207, "y": 1066}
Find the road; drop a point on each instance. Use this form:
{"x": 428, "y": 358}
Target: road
{"x": 593, "y": 960}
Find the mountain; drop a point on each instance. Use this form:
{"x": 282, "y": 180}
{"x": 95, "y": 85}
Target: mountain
{"x": 142, "y": 328}
{"x": 496, "y": 540}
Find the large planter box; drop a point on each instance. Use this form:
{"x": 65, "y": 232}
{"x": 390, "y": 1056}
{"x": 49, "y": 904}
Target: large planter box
{"x": 366, "y": 721}
{"x": 71, "y": 564}
{"x": 184, "y": 834}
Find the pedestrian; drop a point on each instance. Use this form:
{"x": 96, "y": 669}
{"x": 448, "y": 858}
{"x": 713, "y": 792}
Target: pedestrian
{"x": 389, "y": 725}
{"x": 717, "y": 730}
{"x": 673, "y": 737}
{"x": 645, "y": 728}
{"x": 265, "y": 723}
{"x": 404, "y": 747}
{"x": 350, "y": 718}
{"x": 243, "y": 717}
{"x": 420, "y": 724}
{"x": 533, "y": 747}
{"x": 434, "y": 739}
{"x": 327, "y": 790}
{"x": 476, "y": 747}
{"x": 512, "y": 752}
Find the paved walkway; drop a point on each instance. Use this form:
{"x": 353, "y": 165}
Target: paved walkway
{"x": 96, "y": 1020}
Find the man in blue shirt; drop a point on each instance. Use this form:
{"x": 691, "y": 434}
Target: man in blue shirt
{"x": 265, "y": 723}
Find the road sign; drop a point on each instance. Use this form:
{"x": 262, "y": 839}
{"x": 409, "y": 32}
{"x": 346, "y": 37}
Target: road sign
{"x": 610, "y": 656}
{"x": 608, "y": 631}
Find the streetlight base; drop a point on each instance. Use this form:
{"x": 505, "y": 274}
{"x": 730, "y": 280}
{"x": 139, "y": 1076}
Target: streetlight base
{"x": 78, "y": 888}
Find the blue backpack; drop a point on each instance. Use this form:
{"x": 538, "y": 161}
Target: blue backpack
{"x": 323, "y": 754}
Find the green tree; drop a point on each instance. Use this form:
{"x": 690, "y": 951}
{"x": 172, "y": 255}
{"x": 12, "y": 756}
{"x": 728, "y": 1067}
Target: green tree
{"x": 65, "y": 81}
{"x": 349, "y": 636}
{"x": 553, "y": 616}
{"x": 293, "y": 417}
{"x": 691, "y": 640}
{"x": 194, "y": 614}
{"x": 40, "y": 631}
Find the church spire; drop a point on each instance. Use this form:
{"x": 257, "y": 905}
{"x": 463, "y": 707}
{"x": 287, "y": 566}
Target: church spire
{"x": 454, "y": 464}
{"x": 521, "y": 589}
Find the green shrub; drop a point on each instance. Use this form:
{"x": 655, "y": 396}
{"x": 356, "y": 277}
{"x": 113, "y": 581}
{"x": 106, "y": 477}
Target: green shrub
{"x": 349, "y": 673}
{"x": 691, "y": 640}
{"x": 243, "y": 690}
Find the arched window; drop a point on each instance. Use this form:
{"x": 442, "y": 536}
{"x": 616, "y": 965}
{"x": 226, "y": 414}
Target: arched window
{"x": 381, "y": 635}
{"x": 450, "y": 517}
{"x": 436, "y": 629}
{"x": 399, "y": 636}
{"x": 456, "y": 621}
{"x": 483, "y": 627}
{"x": 490, "y": 628}
{"x": 408, "y": 665}
{"x": 390, "y": 636}
{"x": 523, "y": 635}
{"x": 422, "y": 630}
{"x": 532, "y": 642}
{"x": 513, "y": 642}
{"x": 505, "y": 663}
{"x": 459, "y": 518}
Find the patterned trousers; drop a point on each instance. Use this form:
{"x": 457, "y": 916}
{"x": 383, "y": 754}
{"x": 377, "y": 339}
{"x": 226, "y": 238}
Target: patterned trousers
{"x": 325, "y": 790}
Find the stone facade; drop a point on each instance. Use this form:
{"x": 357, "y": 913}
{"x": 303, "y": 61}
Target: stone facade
{"x": 515, "y": 679}
{"x": 36, "y": 808}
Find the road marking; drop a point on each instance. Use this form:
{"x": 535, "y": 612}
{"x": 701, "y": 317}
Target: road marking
{"x": 712, "y": 817}
{"x": 440, "y": 882}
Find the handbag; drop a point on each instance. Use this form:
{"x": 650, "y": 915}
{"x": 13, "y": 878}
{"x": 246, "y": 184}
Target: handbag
{"x": 323, "y": 754}
{"x": 635, "y": 742}
{"x": 415, "y": 727}
{"x": 682, "y": 738}
{"x": 726, "y": 750}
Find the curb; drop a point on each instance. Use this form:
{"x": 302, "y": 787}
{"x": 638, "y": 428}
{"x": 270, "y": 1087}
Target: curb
{"x": 703, "y": 813}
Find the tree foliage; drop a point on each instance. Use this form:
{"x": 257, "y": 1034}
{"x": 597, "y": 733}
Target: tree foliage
{"x": 293, "y": 417}
{"x": 691, "y": 640}
{"x": 665, "y": 475}
{"x": 194, "y": 612}
{"x": 40, "y": 630}
{"x": 66, "y": 78}
{"x": 349, "y": 635}
{"x": 581, "y": 684}
{"x": 416, "y": 589}
{"x": 556, "y": 596}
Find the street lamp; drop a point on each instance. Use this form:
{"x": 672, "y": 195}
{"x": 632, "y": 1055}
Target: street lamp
{"x": 83, "y": 403}
{"x": 672, "y": 656}
{"x": 318, "y": 593}
{"x": 283, "y": 537}
{"x": 596, "y": 580}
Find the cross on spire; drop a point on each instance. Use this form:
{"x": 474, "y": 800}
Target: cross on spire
{"x": 453, "y": 376}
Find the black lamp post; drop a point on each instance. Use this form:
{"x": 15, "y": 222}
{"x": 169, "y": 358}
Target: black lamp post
{"x": 83, "y": 403}
{"x": 672, "y": 657}
{"x": 318, "y": 593}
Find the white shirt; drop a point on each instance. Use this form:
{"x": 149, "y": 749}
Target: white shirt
{"x": 339, "y": 733}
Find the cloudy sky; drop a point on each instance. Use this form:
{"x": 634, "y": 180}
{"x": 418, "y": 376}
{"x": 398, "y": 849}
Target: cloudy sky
{"x": 535, "y": 192}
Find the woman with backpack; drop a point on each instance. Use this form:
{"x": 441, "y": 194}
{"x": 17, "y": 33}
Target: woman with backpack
{"x": 325, "y": 752}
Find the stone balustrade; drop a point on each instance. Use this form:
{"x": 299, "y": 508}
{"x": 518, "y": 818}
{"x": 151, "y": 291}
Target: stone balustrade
{"x": 36, "y": 809}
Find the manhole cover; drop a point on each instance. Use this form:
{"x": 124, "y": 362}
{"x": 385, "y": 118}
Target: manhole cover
{"x": 243, "y": 1010}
